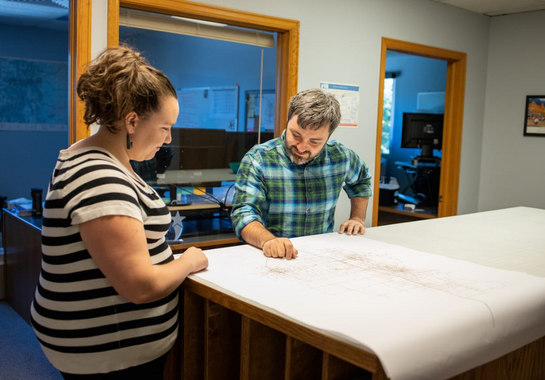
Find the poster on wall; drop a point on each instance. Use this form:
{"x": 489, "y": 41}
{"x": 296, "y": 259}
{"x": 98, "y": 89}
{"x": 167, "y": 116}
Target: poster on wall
{"x": 208, "y": 108}
{"x": 349, "y": 98}
{"x": 534, "y": 120}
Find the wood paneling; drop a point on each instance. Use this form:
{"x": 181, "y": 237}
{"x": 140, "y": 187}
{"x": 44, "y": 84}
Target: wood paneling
{"x": 222, "y": 343}
{"x": 302, "y": 361}
{"x": 193, "y": 338}
{"x": 274, "y": 347}
{"x": 336, "y": 369}
{"x": 263, "y": 352}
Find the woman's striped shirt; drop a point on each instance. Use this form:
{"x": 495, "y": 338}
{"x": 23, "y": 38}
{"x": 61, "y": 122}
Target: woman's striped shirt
{"x": 83, "y": 325}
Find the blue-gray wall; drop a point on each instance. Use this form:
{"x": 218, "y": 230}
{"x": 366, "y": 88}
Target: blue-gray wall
{"x": 27, "y": 157}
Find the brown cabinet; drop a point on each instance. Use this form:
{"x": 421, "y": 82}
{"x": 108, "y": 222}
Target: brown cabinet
{"x": 22, "y": 260}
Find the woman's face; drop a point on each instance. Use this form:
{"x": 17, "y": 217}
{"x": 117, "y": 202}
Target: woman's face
{"x": 154, "y": 131}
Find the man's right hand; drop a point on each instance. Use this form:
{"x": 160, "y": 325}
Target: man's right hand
{"x": 279, "y": 248}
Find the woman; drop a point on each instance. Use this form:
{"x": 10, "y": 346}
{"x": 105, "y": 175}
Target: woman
{"x": 106, "y": 305}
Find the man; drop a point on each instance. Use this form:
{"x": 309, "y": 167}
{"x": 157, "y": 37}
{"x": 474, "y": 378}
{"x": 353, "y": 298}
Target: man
{"x": 289, "y": 186}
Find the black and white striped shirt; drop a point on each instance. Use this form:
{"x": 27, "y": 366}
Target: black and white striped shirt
{"x": 83, "y": 325}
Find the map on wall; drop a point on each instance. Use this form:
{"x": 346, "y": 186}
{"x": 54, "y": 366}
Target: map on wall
{"x": 33, "y": 95}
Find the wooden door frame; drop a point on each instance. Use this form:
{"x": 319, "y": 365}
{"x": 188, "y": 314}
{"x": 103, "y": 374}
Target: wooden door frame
{"x": 453, "y": 122}
{"x": 79, "y": 55}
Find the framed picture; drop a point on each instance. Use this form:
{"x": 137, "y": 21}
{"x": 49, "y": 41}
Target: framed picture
{"x": 534, "y": 118}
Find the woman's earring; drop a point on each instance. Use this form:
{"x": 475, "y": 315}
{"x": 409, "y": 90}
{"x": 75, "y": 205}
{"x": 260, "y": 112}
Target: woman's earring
{"x": 129, "y": 142}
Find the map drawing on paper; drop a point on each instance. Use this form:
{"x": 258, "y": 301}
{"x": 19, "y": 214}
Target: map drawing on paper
{"x": 335, "y": 271}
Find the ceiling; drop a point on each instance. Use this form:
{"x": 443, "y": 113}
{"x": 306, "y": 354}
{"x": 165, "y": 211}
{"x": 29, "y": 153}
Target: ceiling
{"x": 53, "y": 14}
{"x": 496, "y": 7}
{"x": 50, "y": 14}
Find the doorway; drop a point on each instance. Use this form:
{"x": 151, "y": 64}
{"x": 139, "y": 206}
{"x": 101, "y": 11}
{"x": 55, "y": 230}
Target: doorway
{"x": 452, "y": 126}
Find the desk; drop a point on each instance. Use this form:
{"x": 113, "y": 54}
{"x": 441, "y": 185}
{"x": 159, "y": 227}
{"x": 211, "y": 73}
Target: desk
{"x": 202, "y": 177}
{"x": 423, "y": 179}
{"x": 205, "y": 224}
{"x": 227, "y": 335}
{"x": 398, "y": 214}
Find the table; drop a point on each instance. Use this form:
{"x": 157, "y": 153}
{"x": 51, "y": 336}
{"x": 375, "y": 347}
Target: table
{"x": 201, "y": 177}
{"x": 228, "y": 335}
{"x": 205, "y": 224}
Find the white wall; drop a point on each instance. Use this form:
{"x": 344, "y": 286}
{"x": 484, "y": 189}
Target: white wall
{"x": 513, "y": 166}
{"x": 340, "y": 41}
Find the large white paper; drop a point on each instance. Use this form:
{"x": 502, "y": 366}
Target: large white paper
{"x": 425, "y": 316}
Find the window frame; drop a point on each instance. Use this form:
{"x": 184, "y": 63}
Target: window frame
{"x": 287, "y": 60}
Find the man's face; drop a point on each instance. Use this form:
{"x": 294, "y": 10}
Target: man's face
{"x": 304, "y": 144}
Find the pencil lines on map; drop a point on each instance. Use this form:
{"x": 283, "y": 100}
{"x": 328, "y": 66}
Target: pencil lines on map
{"x": 336, "y": 271}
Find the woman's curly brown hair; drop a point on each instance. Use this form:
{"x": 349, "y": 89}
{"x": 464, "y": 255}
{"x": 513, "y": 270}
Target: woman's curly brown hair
{"x": 120, "y": 81}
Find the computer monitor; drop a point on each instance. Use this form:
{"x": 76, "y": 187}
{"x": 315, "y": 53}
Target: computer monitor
{"x": 423, "y": 131}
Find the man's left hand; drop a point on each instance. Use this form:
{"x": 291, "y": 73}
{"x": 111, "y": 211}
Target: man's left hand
{"x": 352, "y": 227}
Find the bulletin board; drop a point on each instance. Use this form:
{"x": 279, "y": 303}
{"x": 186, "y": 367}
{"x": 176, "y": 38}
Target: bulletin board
{"x": 208, "y": 108}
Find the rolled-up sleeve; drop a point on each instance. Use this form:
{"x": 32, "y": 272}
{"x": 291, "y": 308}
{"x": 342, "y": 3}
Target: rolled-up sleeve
{"x": 358, "y": 178}
{"x": 250, "y": 201}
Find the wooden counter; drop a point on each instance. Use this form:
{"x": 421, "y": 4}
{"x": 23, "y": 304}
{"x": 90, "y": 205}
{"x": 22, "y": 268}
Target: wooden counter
{"x": 226, "y": 336}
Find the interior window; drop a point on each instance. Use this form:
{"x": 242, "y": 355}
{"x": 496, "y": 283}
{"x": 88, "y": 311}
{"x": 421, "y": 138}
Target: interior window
{"x": 225, "y": 79}
{"x": 33, "y": 94}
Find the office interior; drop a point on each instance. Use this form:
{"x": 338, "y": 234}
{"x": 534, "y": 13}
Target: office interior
{"x": 407, "y": 183}
{"x": 499, "y": 167}
{"x": 497, "y": 82}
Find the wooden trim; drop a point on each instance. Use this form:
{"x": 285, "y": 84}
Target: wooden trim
{"x": 206, "y": 244}
{"x": 453, "y": 124}
{"x": 113, "y": 19}
{"x": 378, "y": 145}
{"x": 452, "y": 138}
{"x": 212, "y": 13}
{"x": 287, "y": 64}
{"x": 80, "y": 56}
{"x": 283, "y": 75}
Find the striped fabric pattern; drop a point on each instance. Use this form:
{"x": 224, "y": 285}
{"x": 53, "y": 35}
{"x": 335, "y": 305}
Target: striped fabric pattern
{"x": 83, "y": 325}
{"x": 293, "y": 200}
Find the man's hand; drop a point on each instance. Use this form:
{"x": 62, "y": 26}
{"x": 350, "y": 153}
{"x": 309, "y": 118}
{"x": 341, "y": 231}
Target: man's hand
{"x": 279, "y": 248}
{"x": 352, "y": 227}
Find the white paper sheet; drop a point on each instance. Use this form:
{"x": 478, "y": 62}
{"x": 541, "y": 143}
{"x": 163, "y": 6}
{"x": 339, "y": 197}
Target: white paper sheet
{"x": 424, "y": 315}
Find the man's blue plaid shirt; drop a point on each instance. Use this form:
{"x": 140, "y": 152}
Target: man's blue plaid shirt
{"x": 293, "y": 200}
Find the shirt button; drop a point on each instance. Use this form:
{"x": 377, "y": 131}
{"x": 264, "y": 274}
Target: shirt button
{"x": 308, "y": 189}
{"x": 308, "y": 210}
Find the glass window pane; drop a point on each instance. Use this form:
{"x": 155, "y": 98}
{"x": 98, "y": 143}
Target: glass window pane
{"x": 33, "y": 94}
{"x": 226, "y": 94}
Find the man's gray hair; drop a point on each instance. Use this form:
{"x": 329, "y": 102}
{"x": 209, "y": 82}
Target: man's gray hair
{"x": 315, "y": 109}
